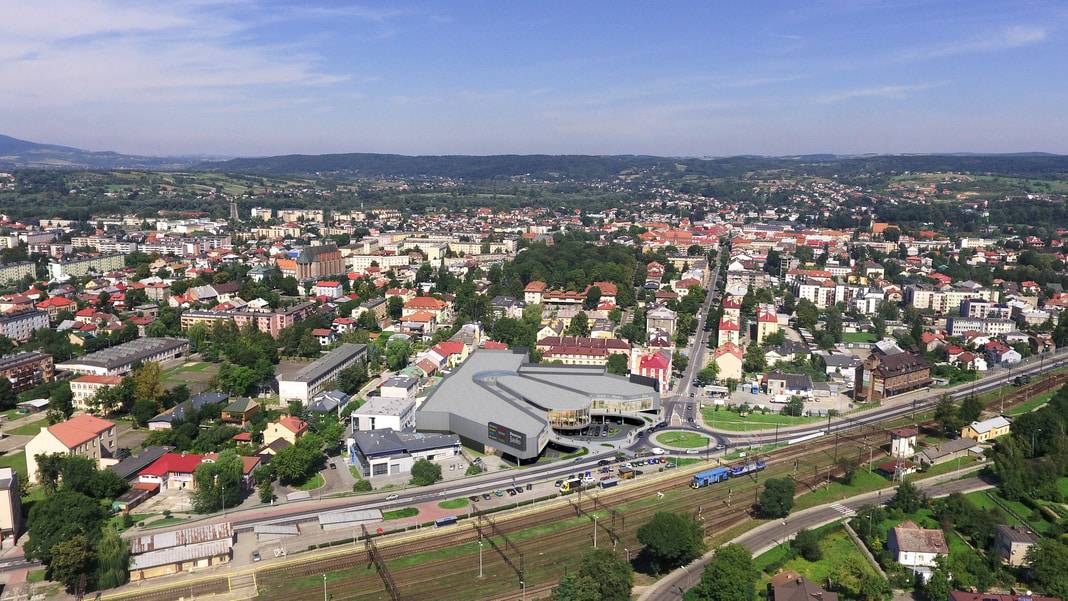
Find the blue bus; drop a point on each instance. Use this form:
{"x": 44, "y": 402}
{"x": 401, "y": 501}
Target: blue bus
{"x": 445, "y": 521}
{"x": 711, "y": 476}
{"x": 609, "y": 483}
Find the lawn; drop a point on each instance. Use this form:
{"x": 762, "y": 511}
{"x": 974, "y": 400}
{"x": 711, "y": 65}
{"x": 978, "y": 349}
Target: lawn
{"x": 684, "y": 440}
{"x": 729, "y": 420}
{"x": 1062, "y": 486}
{"x": 837, "y": 548}
{"x": 1030, "y": 405}
{"x": 30, "y": 429}
{"x": 166, "y": 522}
{"x": 397, "y": 514}
{"x": 15, "y": 461}
{"x": 453, "y": 503}
{"x": 862, "y": 482}
{"x": 858, "y": 337}
{"x": 34, "y": 576}
{"x": 948, "y": 466}
{"x": 316, "y": 481}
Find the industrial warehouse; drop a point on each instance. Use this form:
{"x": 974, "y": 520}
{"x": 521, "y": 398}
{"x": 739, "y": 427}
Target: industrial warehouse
{"x": 499, "y": 402}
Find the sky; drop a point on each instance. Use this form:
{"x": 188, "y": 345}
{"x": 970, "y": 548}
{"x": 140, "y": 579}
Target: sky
{"x": 676, "y": 78}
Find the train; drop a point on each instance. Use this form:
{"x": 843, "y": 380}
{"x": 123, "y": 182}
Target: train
{"x": 445, "y": 521}
{"x": 719, "y": 474}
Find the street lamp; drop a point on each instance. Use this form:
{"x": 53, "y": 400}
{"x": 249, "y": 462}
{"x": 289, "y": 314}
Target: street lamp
{"x": 480, "y": 557}
{"x": 324, "y": 587}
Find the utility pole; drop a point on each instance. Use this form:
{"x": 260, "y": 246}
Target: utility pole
{"x": 324, "y": 587}
{"x": 480, "y": 557}
{"x": 594, "y": 530}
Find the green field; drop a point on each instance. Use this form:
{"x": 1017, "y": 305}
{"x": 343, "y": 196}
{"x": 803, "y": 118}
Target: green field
{"x": 858, "y": 337}
{"x": 397, "y": 514}
{"x": 453, "y": 503}
{"x": 729, "y": 420}
{"x": 683, "y": 440}
{"x": 1030, "y": 405}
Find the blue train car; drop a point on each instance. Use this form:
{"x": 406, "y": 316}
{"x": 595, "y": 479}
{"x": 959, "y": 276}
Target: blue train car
{"x": 609, "y": 483}
{"x": 747, "y": 468}
{"x": 711, "y": 476}
{"x": 445, "y": 521}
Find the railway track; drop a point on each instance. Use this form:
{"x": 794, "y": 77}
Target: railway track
{"x": 423, "y": 567}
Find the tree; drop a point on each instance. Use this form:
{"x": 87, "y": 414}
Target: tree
{"x": 754, "y": 361}
{"x": 908, "y": 498}
{"x": 70, "y": 561}
{"x": 671, "y": 540}
{"x": 807, "y": 544}
{"x": 61, "y": 401}
{"x": 425, "y": 473}
{"x": 112, "y": 560}
{"x": 878, "y": 327}
{"x": 8, "y": 398}
{"x": 350, "y": 379}
{"x": 937, "y": 587}
{"x": 395, "y": 307}
{"x": 777, "y": 498}
{"x": 729, "y": 576}
{"x": 1049, "y": 566}
{"x": 602, "y": 576}
{"x": 970, "y": 410}
{"x": 579, "y": 326}
{"x": 218, "y": 483}
{"x": 147, "y": 382}
{"x": 142, "y": 411}
{"x": 947, "y": 415}
{"x": 593, "y": 298}
{"x": 679, "y": 362}
{"x": 795, "y": 406}
{"x": 59, "y": 517}
{"x": 617, "y": 364}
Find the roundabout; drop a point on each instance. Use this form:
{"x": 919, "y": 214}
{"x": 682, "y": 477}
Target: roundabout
{"x": 681, "y": 439}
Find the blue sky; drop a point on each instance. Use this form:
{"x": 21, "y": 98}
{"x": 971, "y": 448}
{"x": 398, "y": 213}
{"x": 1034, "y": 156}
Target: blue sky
{"x": 708, "y": 78}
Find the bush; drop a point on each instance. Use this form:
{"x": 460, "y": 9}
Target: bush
{"x": 362, "y": 486}
{"x": 807, "y": 544}
{"x": 473, "y": 470}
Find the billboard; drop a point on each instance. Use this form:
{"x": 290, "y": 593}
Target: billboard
{"x": 507, "y": 436}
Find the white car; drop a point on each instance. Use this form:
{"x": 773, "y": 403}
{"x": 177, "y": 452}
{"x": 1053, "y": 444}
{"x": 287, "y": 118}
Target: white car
{"x": 393, "y": 497}
{"x": 658, "y": 451}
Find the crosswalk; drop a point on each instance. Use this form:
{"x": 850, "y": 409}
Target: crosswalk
{"x": 842, "y": 509}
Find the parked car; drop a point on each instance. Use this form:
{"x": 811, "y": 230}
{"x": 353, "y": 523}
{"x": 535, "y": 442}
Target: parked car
{"x": 472, "y": 498}
{"x": 256, "y": 556}
{"x": 498, "y": 492}
{"x": 486, "y": 496}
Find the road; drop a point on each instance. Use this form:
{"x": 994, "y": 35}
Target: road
{"x": 760, "y": 539}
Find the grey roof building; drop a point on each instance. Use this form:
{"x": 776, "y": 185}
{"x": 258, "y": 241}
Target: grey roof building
{"x": 496, "y": 399}
{"x": 128, "y": 468}
{"x": 181, "y": 411}
{"x": 121, "y": 359}
{"x": 313, "y": 378}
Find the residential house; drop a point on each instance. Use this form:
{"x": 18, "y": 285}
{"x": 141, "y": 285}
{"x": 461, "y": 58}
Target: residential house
{"x": 987, "y": 429}
{"x": 240, "y": 411}
{"x": 917, "y": 548}
{"x": 791, "y": 586}
{"x": 1012, "y": 543}
{"x": 728, "y": 359}
{"x": 288, "y": 428}
{"x": 83, "y": 435}
{"x": 84, "y": 388}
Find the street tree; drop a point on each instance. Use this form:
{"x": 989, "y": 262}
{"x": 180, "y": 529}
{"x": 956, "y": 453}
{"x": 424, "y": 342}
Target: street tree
{"x": 777, "y": 498}
{"x": 729, "y": 576}
{"x": 112, "y": 560}
{"x": 671, "y": 540}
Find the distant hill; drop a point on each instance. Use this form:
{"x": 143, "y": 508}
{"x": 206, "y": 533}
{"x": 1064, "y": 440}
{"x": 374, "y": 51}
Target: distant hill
{"x": 587, "y": 166}
{"x": 15, "y": 153}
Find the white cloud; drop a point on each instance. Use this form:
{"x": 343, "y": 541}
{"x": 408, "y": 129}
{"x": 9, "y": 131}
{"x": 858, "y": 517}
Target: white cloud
{"x": 1015, "y": 36}
{"x": 886, "y": 91}
{"x": 66, "y": 54}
